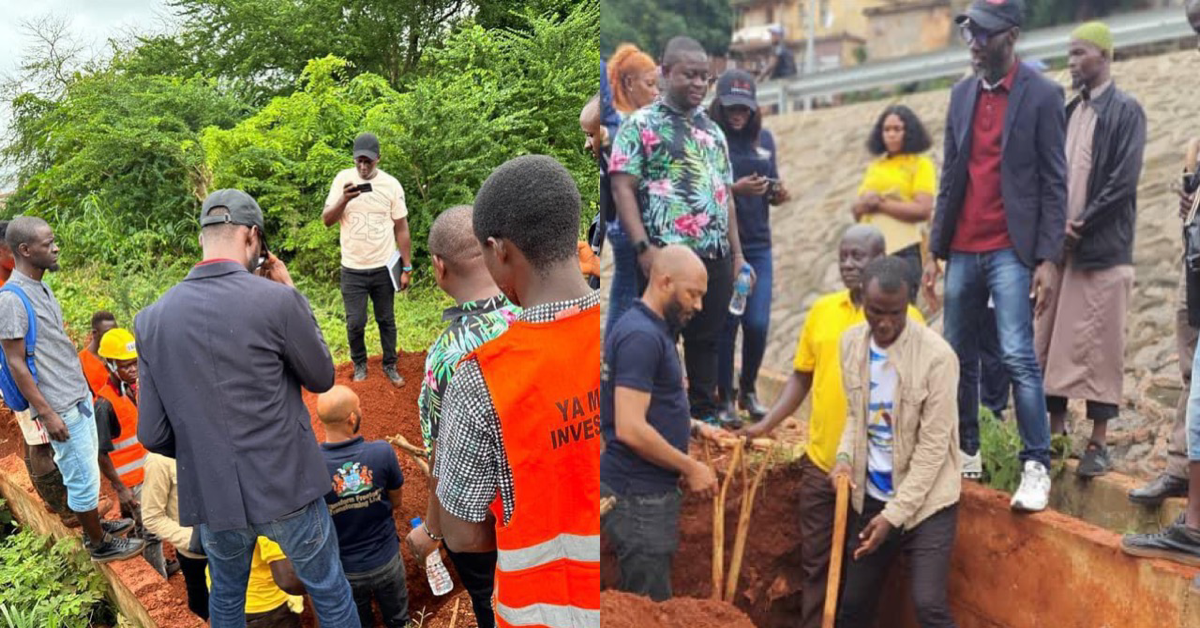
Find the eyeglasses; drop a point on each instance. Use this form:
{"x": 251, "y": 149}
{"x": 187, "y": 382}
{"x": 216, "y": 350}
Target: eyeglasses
{"x": 971, "y": 34}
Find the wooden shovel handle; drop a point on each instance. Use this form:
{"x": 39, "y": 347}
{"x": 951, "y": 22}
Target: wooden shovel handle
{"x": 836, "y": 552}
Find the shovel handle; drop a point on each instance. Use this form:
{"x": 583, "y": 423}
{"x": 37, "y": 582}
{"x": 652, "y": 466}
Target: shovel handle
{"x": 837, "y": 551}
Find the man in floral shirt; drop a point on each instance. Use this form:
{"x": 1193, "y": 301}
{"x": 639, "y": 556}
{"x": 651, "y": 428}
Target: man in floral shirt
{"x": 672, "y": 183}
{"x": 482, "y": 313}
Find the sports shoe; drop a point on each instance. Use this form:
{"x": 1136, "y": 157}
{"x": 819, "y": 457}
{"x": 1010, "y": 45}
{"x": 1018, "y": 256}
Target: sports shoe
{"x": 748, "y": 400}
{"x": 360, "y": 372}
{"x": 1034, "y": 492}
{"x": 1095, "y": 462}
{"x": 114, "y": 548}
{"x": 972, "y": 466}
{"x": 116, "y": 527}
{"x": 1175, "y": 542}
{"x": 393, "y": 376}
{"x": 1158, "y": 490}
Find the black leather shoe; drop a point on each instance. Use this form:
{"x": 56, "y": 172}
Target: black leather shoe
{"x": 748, "y": 400}
{"x": 1176, "y": 542}
{"x": 360, "y": 372}
{"x": 1158, "y": 490}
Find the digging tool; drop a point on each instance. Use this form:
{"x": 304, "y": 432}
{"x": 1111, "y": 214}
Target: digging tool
{"x": 454, "y": 615}
{"x": 414, "y": 452}
{"x": 739, "y": 543}
{"x": 839, "y": 548}
{"x": 718, "y": 572}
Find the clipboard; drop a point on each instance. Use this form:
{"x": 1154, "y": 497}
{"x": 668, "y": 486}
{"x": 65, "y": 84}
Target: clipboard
{"x": 395, "y": 267}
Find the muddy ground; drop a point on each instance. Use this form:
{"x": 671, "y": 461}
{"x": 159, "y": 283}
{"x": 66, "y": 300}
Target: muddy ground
{"x": 386, "y": 411}
{"x": 623, "y": 610}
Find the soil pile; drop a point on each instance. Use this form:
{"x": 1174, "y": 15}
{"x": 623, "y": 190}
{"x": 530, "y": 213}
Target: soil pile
{"x": 621, "y": 610}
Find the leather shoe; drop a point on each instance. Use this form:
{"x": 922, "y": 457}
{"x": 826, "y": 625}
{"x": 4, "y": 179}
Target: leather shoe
{"x": 1158, "y": 490}
{"x": 360, "y": 372}
{"x": 748, "y": 400}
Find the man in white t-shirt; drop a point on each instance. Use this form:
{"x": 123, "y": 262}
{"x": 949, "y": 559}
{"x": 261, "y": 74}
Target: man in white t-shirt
{"x": 368, "y": 206}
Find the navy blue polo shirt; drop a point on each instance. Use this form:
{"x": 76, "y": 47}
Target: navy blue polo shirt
{"x": 753, "y": 212}
{"x": 362, "y": 473}
{"x": 640, "y": 354}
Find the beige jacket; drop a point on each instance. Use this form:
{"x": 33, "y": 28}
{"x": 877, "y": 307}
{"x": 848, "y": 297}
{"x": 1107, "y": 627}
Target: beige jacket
{"x": 926, "y": 465}
{"x": 160, "y": 504}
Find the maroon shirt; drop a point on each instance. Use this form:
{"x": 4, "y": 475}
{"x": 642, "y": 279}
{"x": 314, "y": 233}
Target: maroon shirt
{"x": 982, "y": 226}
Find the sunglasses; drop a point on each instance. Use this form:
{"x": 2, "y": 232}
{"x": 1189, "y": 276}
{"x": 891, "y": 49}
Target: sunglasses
{"x": 972, "y": 34}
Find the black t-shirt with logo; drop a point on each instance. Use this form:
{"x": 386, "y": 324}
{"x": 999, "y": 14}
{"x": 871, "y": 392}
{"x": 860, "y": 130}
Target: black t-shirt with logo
{"x": 362, "y": 473}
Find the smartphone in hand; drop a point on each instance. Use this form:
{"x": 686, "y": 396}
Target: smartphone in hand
{"x": 364, "y": 187}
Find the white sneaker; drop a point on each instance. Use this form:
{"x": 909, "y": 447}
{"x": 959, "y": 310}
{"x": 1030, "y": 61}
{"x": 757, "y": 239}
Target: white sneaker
{"x": 1034, "y": 492}
{"x": 972, "y": 466}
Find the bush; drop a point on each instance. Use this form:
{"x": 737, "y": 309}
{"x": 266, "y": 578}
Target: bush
{"x": 49, "y": 583}
{"x": 1000, "y": 448}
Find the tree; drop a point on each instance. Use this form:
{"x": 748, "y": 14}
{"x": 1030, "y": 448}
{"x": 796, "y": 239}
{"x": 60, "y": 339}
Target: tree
{"x": 1042, "y": 13}
{"x": 651, "y": 23}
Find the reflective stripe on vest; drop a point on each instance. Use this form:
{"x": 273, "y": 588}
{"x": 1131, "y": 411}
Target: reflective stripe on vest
{"x": 544, "y": 380}
{"x": 548, "y": 615}
{"x": 564, "y": 546}
{"x": 128, "y": 455}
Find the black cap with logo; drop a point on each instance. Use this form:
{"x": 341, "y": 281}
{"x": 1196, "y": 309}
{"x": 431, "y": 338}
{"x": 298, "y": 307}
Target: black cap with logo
{"x": 993, "y": 16}
{"x": 366, "y": 145}
{"x": 736, "y": 87}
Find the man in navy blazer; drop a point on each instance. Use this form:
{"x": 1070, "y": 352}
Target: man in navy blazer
{"x": 221, "y": 360}
{"x": 1000, "y": 223}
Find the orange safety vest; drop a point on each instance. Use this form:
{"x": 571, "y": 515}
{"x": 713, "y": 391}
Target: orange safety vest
{"x": 544, "y": 380}
{"x": 94, "y": 370}
{"x": 128, "y": 455}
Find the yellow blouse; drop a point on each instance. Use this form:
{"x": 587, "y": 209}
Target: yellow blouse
{"x": 899, "y": 177}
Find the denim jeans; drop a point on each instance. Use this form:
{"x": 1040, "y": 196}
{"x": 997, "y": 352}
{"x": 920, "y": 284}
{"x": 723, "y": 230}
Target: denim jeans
{"x": 994, "y": 383}
{"x": 1193, "y": 412}
{"x": 970, "y": 277}
{"x": 623, "y": 288}
{"x": 376, "y": 285}
{"x": 477, "y": 571}
{"x": 76, "y": 458}
{"x": 644, "y": 532}
{"x": 308, "y": 539}
{"x": 753, "y": 323}
{"x": 386, "y": 586}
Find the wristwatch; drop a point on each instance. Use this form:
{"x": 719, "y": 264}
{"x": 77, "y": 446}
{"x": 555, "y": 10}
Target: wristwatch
{"x": 641, "y": 246}
{"x": 407, "y": 269}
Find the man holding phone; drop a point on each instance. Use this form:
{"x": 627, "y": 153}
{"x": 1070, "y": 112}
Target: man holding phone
{"x": 368, "y": 206}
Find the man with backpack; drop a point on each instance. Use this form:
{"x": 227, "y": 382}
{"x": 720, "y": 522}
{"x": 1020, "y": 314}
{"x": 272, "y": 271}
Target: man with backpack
{"x": 41, "y": 370}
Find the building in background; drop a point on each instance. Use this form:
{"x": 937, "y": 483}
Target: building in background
{"x": 841, "y": 30}
{"x": 898, "y": 29}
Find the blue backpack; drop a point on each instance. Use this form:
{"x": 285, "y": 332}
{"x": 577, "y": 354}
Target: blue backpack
{"x": 8, "y": 385}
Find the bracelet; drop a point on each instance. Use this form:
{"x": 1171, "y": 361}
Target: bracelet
{"x": 407, "y": 269}
{"x": 843, "y": 458}
{"x": 431, "y": 535}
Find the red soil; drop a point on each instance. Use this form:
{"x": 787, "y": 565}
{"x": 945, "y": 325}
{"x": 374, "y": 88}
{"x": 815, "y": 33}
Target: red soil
{"x": 621, "y": 610}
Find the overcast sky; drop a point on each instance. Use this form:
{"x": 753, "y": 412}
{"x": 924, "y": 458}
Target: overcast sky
{"x": 92, "y": 22}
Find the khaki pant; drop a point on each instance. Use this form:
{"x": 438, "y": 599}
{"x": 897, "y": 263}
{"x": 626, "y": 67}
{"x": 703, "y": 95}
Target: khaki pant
{"x": 1185, "y": 338}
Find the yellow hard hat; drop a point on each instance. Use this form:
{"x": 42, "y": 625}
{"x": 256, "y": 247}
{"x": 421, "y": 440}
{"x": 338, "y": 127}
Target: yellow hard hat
{"x": 118, "y": 344}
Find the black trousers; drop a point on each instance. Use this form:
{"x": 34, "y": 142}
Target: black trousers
{"x": 357, "y": 287}
{"x": 644, "y": 532}
{"x": 928, "y": 549}
{"x": 197, "y": 588}
{"x": 386, "y": 586}
{"x": 702, "y": 335}
{"x": 477, "y": 571}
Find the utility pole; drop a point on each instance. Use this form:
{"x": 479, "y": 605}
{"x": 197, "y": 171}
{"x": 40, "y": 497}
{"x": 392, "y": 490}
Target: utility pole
{"x": 810, "y": 61}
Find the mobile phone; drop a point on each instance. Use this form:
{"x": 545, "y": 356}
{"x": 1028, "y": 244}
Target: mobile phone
{"x": 364, "y": 187}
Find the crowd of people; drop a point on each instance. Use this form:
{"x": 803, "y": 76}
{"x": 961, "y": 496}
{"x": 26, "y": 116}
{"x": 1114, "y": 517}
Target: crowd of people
{"x": 1027, "y": 227}
{"x": 196, "y": 418}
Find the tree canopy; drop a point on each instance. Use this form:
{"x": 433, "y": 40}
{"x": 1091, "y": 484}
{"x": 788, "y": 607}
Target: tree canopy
{"x": 650, "y": 23}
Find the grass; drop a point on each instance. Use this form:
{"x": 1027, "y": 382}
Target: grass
{"x": 1000, "y": 447}
{"x": 127, "y": 289}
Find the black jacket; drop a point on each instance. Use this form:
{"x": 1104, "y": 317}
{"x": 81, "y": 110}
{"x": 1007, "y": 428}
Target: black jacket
{"x": 222, "y": 357}
{"x": 1110, "y": 215}
{"x": 1033, "y": 172}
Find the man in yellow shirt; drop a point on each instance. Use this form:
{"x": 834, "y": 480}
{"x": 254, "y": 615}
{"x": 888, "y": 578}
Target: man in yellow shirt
{"x": 273, "y": 591}
{"x": 818, "y": 370}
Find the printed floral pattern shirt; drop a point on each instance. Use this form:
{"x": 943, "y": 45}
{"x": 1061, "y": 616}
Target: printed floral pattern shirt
{"x": 684, "y": 176}
{"x": 471, "y": 324}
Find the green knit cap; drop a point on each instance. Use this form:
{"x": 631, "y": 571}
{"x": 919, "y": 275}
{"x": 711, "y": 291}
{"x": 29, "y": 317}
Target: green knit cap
{"x": 1095, "y": 33}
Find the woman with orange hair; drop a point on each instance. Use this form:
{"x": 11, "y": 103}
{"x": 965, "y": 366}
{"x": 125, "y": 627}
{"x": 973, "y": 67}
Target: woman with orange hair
{"x": 633, "y": 81}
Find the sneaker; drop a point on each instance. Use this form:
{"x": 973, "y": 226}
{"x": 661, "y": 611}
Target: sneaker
{"x": 1176, "y": 542}
{"x": 972, "y": 466}
{"x": 116, "y": 527}
{"x": 1158, "y": 490}
{"x": 114, "y": 548}
{"x": 1095, "y": 462}
{"x": 393, "y": 376}
{"x": 1034, "y": 492}
{"x": 360, "y": 372}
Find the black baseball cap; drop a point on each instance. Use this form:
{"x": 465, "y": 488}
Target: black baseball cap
{"x": 736, "y": 87}
{"x": 367, "y": 145}
{"x": 243, "y": 209}
{"x": 993, "y": 16}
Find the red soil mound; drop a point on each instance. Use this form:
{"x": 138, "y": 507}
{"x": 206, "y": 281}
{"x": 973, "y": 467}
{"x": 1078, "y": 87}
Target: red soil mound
{"x": 620, "y": 610}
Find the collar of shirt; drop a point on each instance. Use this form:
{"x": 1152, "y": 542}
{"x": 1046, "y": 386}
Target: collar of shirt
{"x": 342, "y": 444}
{"x": 548, "y": 312}
{"x": 1091, "y": 94}
{"x": 482, "y": 306}
{"x": 1005, "y": 83}
{"x": 21, "y": 278}
{"x": 666, "y": 108}
{"x": 845, "y": 302}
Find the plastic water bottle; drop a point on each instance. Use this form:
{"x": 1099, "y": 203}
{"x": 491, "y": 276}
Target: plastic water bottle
{"x": 435, "y": 570}
{"x": 742, "y": 288}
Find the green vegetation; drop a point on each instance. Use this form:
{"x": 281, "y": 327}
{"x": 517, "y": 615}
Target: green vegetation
{"x": 651, "y": 23}
{"x": 267, "y": 96}
{"x": 1000, "y": 445}
{"x": 49, "y": 583}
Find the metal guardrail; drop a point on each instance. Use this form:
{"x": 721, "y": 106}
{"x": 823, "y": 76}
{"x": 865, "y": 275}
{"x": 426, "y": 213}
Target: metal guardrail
{"x": 1131, "y": 29}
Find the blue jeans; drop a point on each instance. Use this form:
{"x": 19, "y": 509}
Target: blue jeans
{"x": 993, "y": 380}
{"x": 1193, "y": 412}
{"x": 753, "y": 323}
{"x": 970, "y": 277}
{"x": 623, "y": 288}
{"x": 308, "y": 539}
{"x": 77, "y": 460}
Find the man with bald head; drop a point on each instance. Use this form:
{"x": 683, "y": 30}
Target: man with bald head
{"x": 481, "y": 312}
{"x": 645, "y": 420}
{"x": 366, "y": 492}
{"x": 817, "y": 369}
